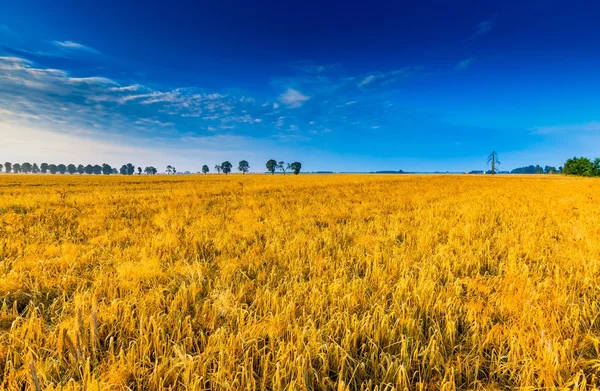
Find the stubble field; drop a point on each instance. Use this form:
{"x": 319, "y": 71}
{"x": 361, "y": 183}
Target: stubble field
{"x": 259, "y": 282}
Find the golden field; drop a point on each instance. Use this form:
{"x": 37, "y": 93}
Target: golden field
{"x": 260, "y": 282}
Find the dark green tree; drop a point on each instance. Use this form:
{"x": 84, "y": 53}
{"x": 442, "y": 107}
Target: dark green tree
{"x": 295, "y": 167}
{"x": 26, "y": 168}
{"x": 123, "y": 169}
{"x": 244, "y": 166}
{"x": 53, "y": 168}
{"x": 62, "y": 168}
{"x": 97, "y": 169}
{"x": 8, "y": 167}
{"x": 139, "y": 170}
{"x": 44, "y": 168}
{"x": 89, "y": 169}
{"x": 226, "y": 167}
{"x": 106, "y": 169}
{"x": 130, "y": 169}
{"x": 72, "y": 169}
{"x": 81, "y": 169}
{"x": 205, "y": 169}
{"x": 581, "y": 166}
{"x": 35, "y": 169}
{"x": 1, "y": 167}
{"x": 271, "y": 166}
{"x": 16, "y": 168}
{"x": 218, "y": 168}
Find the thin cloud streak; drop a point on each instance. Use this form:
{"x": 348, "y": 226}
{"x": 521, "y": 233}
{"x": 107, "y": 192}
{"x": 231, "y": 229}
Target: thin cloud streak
{"x": 71, "y": 45}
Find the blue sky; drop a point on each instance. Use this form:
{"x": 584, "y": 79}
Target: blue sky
{"x": 343, "y": 86}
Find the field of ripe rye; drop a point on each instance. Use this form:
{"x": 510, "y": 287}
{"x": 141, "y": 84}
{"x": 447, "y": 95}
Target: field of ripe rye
{"x": 260, "y": 282}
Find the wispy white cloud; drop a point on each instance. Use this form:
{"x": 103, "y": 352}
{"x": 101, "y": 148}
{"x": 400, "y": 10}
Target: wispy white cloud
{"x": 91, "y": 80}
{"x": 133, "y": 87}
{"x": 464, "y": 64}
{"x": 375, "y": 79}
{"x": 71, "y": 45}
{"x": 587, "y": 127}
{"x": 55, "y": 98}
{"x": 293, "y": 98}
{"x": 482, "y": 28}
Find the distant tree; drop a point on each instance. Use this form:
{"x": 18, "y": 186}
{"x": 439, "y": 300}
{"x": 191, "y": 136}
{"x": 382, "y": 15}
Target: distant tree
{"x": 71, "y": 169}
{"x": 1, "y": 167}
{"x": 8, "y": 167}
{"x": 130, "y": 169}
{"x": 169, "y": 169}
{"x": 35, "y": 169}
{"x": 150, "y": 170}
{"x": 226, "y": 167}
{"x": 243, "y": 166}
{"x": 106, "y": 169}
{"x": 26, "y": 168}
{"x": 271, "y": 166}
{"x": 123, "y": 169}
{"x": 282, "y": 167}
{"x": 44, "y": 168}
{"x": 205, "y": 169}
{"x": 81, "y": 169}
{"x": 62, "y": 168}
{"x": 53, "y": 169}
{"x": 114, "y": 171}
{"x": 16, "y": 168}
{"x": 139, "y": 170}
{"x": 97, "y": 169}
{"x": 295, "y": 167}
{"x": 89, "y": 169}
{"x": 493, "y": 161}
{"x": 218, "y": 168}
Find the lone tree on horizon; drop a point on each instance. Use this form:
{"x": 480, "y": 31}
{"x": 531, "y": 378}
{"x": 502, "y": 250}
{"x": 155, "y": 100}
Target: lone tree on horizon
{"x": 295, "y": 167}
{"x": 283, "y": 167}
{"x": 271, "y": 166}
{"x": 226, "y": 167}
{"x": 493, "y": 161}
{"x": 244, "y": 166}
{"x": 205, "y": 169}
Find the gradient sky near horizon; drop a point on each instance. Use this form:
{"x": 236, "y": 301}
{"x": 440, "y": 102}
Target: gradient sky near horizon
{"x": 341, "y": 86}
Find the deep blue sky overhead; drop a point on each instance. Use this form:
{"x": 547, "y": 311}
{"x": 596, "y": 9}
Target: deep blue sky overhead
{"x": 344, "y": 86}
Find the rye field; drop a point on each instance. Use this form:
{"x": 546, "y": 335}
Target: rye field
{"x": 332, "y": 282}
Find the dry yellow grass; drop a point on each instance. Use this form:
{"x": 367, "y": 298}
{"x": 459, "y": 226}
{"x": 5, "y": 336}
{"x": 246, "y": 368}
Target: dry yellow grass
{"x": 299, "y": 282}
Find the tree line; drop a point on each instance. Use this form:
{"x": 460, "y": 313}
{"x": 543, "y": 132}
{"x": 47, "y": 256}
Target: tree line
{"x": 537, "y": 169}
{"x": 104, "y": 169}
{"x": 129, "y": 169}
{"x": 243, "y": 166}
